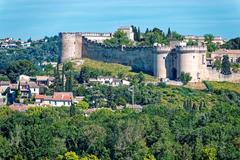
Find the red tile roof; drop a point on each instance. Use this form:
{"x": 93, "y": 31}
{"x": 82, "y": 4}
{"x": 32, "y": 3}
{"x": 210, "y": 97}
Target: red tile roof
{"x": 39, "y": 96}
{"x": 62, "y": 96}
{"x": 58, "y": 96}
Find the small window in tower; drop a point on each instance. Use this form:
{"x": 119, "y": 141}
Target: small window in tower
{"x": 164, "y": 57}
{"x": 203, "y": 59}
{"x": 193, "y": 57}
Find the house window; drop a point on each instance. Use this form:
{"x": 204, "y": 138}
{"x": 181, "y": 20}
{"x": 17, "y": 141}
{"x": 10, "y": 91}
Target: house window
{"x": 55, "y": 102}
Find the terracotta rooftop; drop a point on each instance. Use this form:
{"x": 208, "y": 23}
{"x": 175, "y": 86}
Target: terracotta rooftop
{"x": 39, "y": 96}
{"x": 58, "y": 96}
{"x": 63, "y": 96}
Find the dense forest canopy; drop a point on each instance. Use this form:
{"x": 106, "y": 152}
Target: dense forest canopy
{"x": 186, "y": 124}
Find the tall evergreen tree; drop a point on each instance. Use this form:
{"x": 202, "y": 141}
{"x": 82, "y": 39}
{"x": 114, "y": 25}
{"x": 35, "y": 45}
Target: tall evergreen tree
{"x": 63, "y": 76}
{"x": 169, "y": 33}
{"x": 226, "y": 66}
{"x": 147, "y": 30}
{"x": 57, "y": 80}
{"x": 138, "y": 34}
{"x": 68, "y": 85}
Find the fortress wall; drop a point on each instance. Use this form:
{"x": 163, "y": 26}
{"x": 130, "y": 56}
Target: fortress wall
{"x": 140, "y": 58}
{"x": 215, "y": 75}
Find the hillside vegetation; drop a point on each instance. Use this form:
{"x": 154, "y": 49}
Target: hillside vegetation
{"x": 176, "y": 123}
{"x": 112, "y": 69}
{"x": 217, "y": 86}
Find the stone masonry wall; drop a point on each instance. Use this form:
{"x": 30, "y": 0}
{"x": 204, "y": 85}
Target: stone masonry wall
{"x": 139, "y": 58}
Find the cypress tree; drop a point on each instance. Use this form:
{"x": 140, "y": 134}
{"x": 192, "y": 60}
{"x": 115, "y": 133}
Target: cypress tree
{"x": 63, "y": 75}
{"x": 169, "y": 33}
{"x": 68, "y": 85}
{"x": 147, "y": 30}
{"x": 57, "y": 81}
{"x": 226, "y": 66}
{"x": 72, "y": 110}
{"x": 138, "y": 34}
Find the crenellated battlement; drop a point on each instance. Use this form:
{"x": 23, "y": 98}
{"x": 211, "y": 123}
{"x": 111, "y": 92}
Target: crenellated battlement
{"x": 192, "y": 49}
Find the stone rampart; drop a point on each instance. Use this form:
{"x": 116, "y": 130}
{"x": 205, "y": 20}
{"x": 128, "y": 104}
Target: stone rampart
{"x": 140, "y": 58}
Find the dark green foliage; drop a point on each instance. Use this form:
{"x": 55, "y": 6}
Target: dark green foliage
{"x": 185, "y": 78}
{"x": 209, "y": 41}
{"x": 194, "y": 129}
{"x": 192, "y": 43}
{"x": 69, "y": 82}
{"x": 17, "y": 68}
{"x": 226, "y": 66}
{"x": 137, "y": 33}
{"x": 119, "y": 38}
{"x": 232, "y": 44}
{"x": 40, "y": 51}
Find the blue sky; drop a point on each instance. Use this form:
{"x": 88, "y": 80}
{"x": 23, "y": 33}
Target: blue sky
{"x": 37, "y": 18}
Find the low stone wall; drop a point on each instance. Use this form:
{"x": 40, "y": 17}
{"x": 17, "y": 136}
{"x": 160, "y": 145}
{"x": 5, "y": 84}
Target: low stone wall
{"x": 215, "y": 75}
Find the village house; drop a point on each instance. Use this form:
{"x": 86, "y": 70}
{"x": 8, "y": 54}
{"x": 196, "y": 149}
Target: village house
{"x": 234, "y": 55}
{"x": 109, "y": 81}
{"x": 57, "y": 100}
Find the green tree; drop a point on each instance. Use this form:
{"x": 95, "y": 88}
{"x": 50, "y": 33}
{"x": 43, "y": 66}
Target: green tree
{"x": 69, "y": 82}
{"x": 20, "y": 67}
{"x": 89, "y": 157}
{"x": 119, "y": 38}
{"x": 210, "y": 152}
{"x": 226, "y": 66}
{"x": 169, "y": 33}
{"x": 208, "y": 38}
{"x": 71, "y": 156}
{"x": 82, "y": 105}
{"x": 217, "y": 64}
{"x": 185, "y": 78}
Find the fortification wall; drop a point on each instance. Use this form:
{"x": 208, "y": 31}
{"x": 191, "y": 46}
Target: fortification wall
{"x": 140, "y": 58}
{"x": 215, "y": 75}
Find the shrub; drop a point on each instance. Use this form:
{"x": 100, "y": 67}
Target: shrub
{"x": 185, "y": 78}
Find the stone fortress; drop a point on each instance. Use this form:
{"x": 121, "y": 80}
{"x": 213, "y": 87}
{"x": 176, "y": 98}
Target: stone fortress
{"x": 164, "y": 62}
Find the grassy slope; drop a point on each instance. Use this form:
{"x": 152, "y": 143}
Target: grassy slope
{"x": 224, "y": 85}
{"x": 113, "y": 68}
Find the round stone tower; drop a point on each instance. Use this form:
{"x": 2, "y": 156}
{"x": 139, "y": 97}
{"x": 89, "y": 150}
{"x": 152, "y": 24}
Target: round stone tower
{"x": 160, "y": 69}
{"x": 192, "y": 60}
{"x": 70, "y": 46}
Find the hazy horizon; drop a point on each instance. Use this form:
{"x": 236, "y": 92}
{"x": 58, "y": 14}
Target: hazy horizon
{"x": 36, "y": 19}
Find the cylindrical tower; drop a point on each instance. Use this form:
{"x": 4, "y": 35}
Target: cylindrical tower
{"x": 69, "y": 47}
{"x": 160, "y": 69}
{"x": 190, "y": 59}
